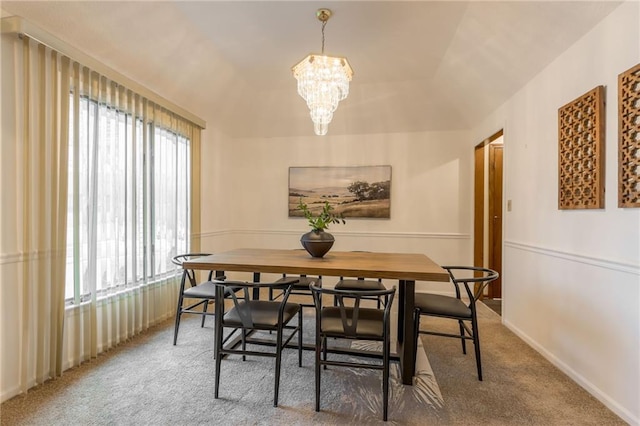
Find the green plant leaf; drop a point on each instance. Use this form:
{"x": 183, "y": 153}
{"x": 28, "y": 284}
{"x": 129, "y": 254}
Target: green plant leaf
{"x": 322, "y": 221}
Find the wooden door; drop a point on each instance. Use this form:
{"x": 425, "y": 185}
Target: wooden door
{"x": 495, "y": 218}
{"x": 487, "y": 247}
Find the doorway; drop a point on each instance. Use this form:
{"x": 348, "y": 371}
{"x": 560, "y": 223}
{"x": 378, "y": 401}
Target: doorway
{"x": 487, "y": 233}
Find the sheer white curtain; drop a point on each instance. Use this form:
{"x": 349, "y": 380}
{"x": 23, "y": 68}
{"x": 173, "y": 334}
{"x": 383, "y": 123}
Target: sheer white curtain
{"x": 41, "y": 130}
{"x": 130, "y": 204}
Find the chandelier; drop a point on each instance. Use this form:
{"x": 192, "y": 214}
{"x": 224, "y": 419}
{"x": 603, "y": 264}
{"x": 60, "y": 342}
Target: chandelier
{"x": 323, "y": 81}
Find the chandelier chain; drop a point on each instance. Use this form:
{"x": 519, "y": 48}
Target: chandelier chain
{"x": 324, "y": 24}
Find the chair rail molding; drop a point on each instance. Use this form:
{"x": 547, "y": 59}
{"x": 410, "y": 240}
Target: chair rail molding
{"x": 358, "y": 234}
{"x": 576, "y": 257}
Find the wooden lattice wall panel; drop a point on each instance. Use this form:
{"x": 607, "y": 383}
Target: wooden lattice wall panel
{"x": 629, "y": 138}
{"x": 581, "y": 152}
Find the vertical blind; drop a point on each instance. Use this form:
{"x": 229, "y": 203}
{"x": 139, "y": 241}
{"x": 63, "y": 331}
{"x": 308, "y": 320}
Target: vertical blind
{"x": 106, "y": 191}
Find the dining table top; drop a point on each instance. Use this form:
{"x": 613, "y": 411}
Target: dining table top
{"x": 399, "y": 266}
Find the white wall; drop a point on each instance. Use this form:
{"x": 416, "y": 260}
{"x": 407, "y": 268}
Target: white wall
{"x": 571, "y": 279}
{"x": 431, "y": 210}
{"x": 214, "y": 180}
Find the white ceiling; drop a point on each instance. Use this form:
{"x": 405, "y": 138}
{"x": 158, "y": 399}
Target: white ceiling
{"x": 419, "y": 65}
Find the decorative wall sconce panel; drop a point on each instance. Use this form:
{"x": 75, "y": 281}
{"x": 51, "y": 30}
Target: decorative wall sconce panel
{"x": 581, "y": 141}
{"x": 629, "y": 138}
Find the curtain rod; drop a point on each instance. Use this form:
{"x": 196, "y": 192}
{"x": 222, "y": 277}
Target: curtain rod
{"x": 22, "y": 27}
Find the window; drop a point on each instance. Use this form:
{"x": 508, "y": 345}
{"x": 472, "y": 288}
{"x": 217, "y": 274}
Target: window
{"x": 129, "y": 188}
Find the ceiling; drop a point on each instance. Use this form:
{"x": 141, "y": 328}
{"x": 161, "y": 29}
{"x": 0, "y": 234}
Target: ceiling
{"x": 418, "y": 65}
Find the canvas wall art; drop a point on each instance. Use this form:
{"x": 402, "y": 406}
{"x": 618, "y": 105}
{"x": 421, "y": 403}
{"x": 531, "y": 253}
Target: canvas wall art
{"x": 359, "y": 191}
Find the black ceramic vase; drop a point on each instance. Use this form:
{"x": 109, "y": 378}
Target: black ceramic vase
{"x": 317, "y": 243}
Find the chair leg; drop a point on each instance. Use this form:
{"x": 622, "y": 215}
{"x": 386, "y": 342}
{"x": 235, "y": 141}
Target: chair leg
{"x": 385, "y": 380}
{"x": 278, "y": 364}
{"x": 476, "y": 344}
{"x": 177, "y": 326}
{"x": 317, "y": 368}
{"x": 324, "y": 351}
{"x": 300, "y": 337}
{"x": 244, "y": 343}
{"x": 462, "y": 333}
{"x": 204, "y": 309}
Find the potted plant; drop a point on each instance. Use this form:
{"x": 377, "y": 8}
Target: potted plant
{"x": 317, "y": 241}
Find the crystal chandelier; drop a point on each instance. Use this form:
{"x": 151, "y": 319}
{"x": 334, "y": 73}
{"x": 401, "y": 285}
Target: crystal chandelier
{"x": 323, "y": 81}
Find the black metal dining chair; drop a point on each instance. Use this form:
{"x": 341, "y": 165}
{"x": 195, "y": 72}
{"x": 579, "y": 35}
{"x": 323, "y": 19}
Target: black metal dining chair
{"x": 363, "y": 285}
{"x": 204, "y": 292}
{"x": 360, "y": 283}
{"x": 462, "y": 310}
{"x": 354, "y": 322}
{"x": 300, "y": 288}
{"x": 248, "y": 315}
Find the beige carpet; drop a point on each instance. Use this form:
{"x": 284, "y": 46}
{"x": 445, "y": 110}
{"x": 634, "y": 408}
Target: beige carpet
{"x": 148, "y": 381}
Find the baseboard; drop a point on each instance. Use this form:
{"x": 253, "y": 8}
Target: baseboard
{"x": 612, "y": 405}
{"x": 9, "y": 393}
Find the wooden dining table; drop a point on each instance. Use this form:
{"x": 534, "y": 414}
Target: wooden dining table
{"x": 407, "y": 268}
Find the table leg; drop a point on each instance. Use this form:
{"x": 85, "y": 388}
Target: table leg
{"x": 406, "y": 342}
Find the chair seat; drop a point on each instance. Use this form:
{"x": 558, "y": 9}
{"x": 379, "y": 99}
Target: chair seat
{"x": 369, "y": 285}
{"x": 370, "y": 322}
{"x": 303, "y": 282}
{"x": 205, "y": 290}
{"x": 437, "y": 304}
{"x": 264, "y": 313}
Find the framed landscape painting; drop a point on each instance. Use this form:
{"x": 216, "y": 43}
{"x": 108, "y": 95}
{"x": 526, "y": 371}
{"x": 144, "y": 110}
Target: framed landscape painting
{"x": 361, "y": 191}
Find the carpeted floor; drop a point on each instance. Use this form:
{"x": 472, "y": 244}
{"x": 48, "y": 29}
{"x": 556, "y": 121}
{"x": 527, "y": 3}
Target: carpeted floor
{"x": 148, "y": 381}
{"x": 494, "y": 304}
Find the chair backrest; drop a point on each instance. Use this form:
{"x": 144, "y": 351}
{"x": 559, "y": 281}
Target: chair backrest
{"x": 351, "y": 314}
{"x": 189, "y": 273}
{"x": 467, "y": 275}
{"x": 181, "y": 258}
{"x": 228, "y": 289}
